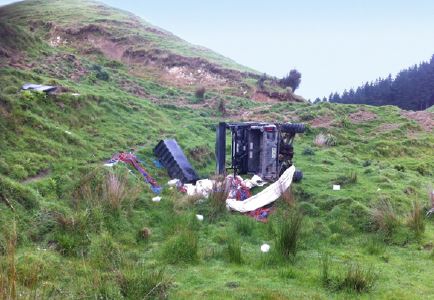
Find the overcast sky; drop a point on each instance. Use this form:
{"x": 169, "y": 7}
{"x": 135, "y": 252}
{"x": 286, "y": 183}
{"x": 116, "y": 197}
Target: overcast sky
{"x": 335, "y": 44}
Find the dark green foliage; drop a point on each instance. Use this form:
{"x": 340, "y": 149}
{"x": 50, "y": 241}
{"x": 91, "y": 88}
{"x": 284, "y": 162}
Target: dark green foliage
{"x": 293, "y": 80}
{"x": 349, "y": 177}
{"x": 100, "y": 73}
{"x": 411, "y": 89}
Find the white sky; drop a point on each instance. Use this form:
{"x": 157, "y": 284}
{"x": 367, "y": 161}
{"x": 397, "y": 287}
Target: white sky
{"x": 335, "y": 44}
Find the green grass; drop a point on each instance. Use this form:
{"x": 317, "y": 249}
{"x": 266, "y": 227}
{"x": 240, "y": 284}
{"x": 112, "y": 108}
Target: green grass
{"x": 73, "y": 243}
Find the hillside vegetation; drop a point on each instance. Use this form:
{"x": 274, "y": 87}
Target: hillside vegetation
{"x": 74, "y": 229}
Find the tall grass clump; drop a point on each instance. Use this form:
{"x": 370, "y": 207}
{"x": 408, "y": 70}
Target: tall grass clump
{"x": 244, "y": 225}
{"x": 234, "y": 251}
{"x": 181, "y": 248}
{"x": 136, "y": 282}
{"x": 8, "y": 272}
{"x": 217, "y": 198}
{"x": 355, "y": 278}
{"x": 384, "y": 219}
{"x": 415, "y": 219}
{"x": 288, "y": 234}
{"x": 108, "y": 189}
{"x": 325, "y": 140}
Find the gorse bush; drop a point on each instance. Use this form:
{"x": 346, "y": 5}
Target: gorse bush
{"x": 288, "y": 234}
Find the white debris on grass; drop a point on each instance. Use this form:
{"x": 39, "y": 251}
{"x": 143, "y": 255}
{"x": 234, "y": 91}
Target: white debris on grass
{"x": 174, "y": 182}
{"x": 199, "y": 217}
{"x": 336, "y": 187}
{"x": 156, "y": 199}
{"x": 265, "y": 248}
{"x": 68, "y": 132}
{"x": 110, "y": 164}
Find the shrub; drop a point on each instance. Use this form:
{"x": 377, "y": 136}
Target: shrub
{"x": 291, "y": 80}
{"x": 100, "y": 73}
{"x": 181, "y": 248}
{"x": 415, "y": 219}
{"x": 200, "y": 93}
{"x": 234, "y": 251}
{"x": 288, "y": 234}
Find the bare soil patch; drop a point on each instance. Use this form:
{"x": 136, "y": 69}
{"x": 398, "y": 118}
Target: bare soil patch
{"x": 325, "y": 121}
{"x": 362, "y": 116}
{"x": 386, "y": 127}
{"x": 41, "y": 175}
{"x": 424, "y": 118}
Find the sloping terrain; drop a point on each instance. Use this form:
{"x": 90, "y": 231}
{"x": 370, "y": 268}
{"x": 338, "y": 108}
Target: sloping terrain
{"x": 85, "y": 231}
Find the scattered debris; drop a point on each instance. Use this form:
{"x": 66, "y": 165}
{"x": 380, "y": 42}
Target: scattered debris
{"x": 265, "y": 248}
{"x": 267, "y": 196}
{"x": 173, "y": 159}
{"x": 199, "y": 217}
{"x": 336, "y": 187}
{"x": 174, "y": 182}
{"x": 131, "y": 159}
{"x": 431, "y": 211}
{"x": 156, "y": 199}
{"x": 37, "y": 87}
{"x": 68, "y": 132}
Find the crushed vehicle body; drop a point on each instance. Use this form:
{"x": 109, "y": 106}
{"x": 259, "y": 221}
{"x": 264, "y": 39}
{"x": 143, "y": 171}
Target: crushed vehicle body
{"x": 260, "y": 148}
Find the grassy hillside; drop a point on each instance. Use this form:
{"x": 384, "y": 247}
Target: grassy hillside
{"x": 68, "y": 233}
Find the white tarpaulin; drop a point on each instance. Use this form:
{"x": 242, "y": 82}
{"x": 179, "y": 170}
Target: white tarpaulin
{"x": 268, "y": 195}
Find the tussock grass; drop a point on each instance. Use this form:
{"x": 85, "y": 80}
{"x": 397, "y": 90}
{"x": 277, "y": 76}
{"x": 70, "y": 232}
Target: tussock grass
{"x": 234, "y": 251}
{"x": 108, "y": 189}
{"x": 137, "y": 282}
{"x": 355, "y": 278}
{"x": 8, "y": 275}
{"x": 288, "y": 229}
{"x": 415, "y": 219}
{"x": 384, "y": 219}
{"x": 181, "y": 248}
{"x": 217, "y": 198}
{"x": 244, "y": 225}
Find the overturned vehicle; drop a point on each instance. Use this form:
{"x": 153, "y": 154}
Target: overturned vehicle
{"x": 264, "y": 149}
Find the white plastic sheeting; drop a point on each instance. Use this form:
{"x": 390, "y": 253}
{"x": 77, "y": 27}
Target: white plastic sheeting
{"x": 268, "y": 195}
